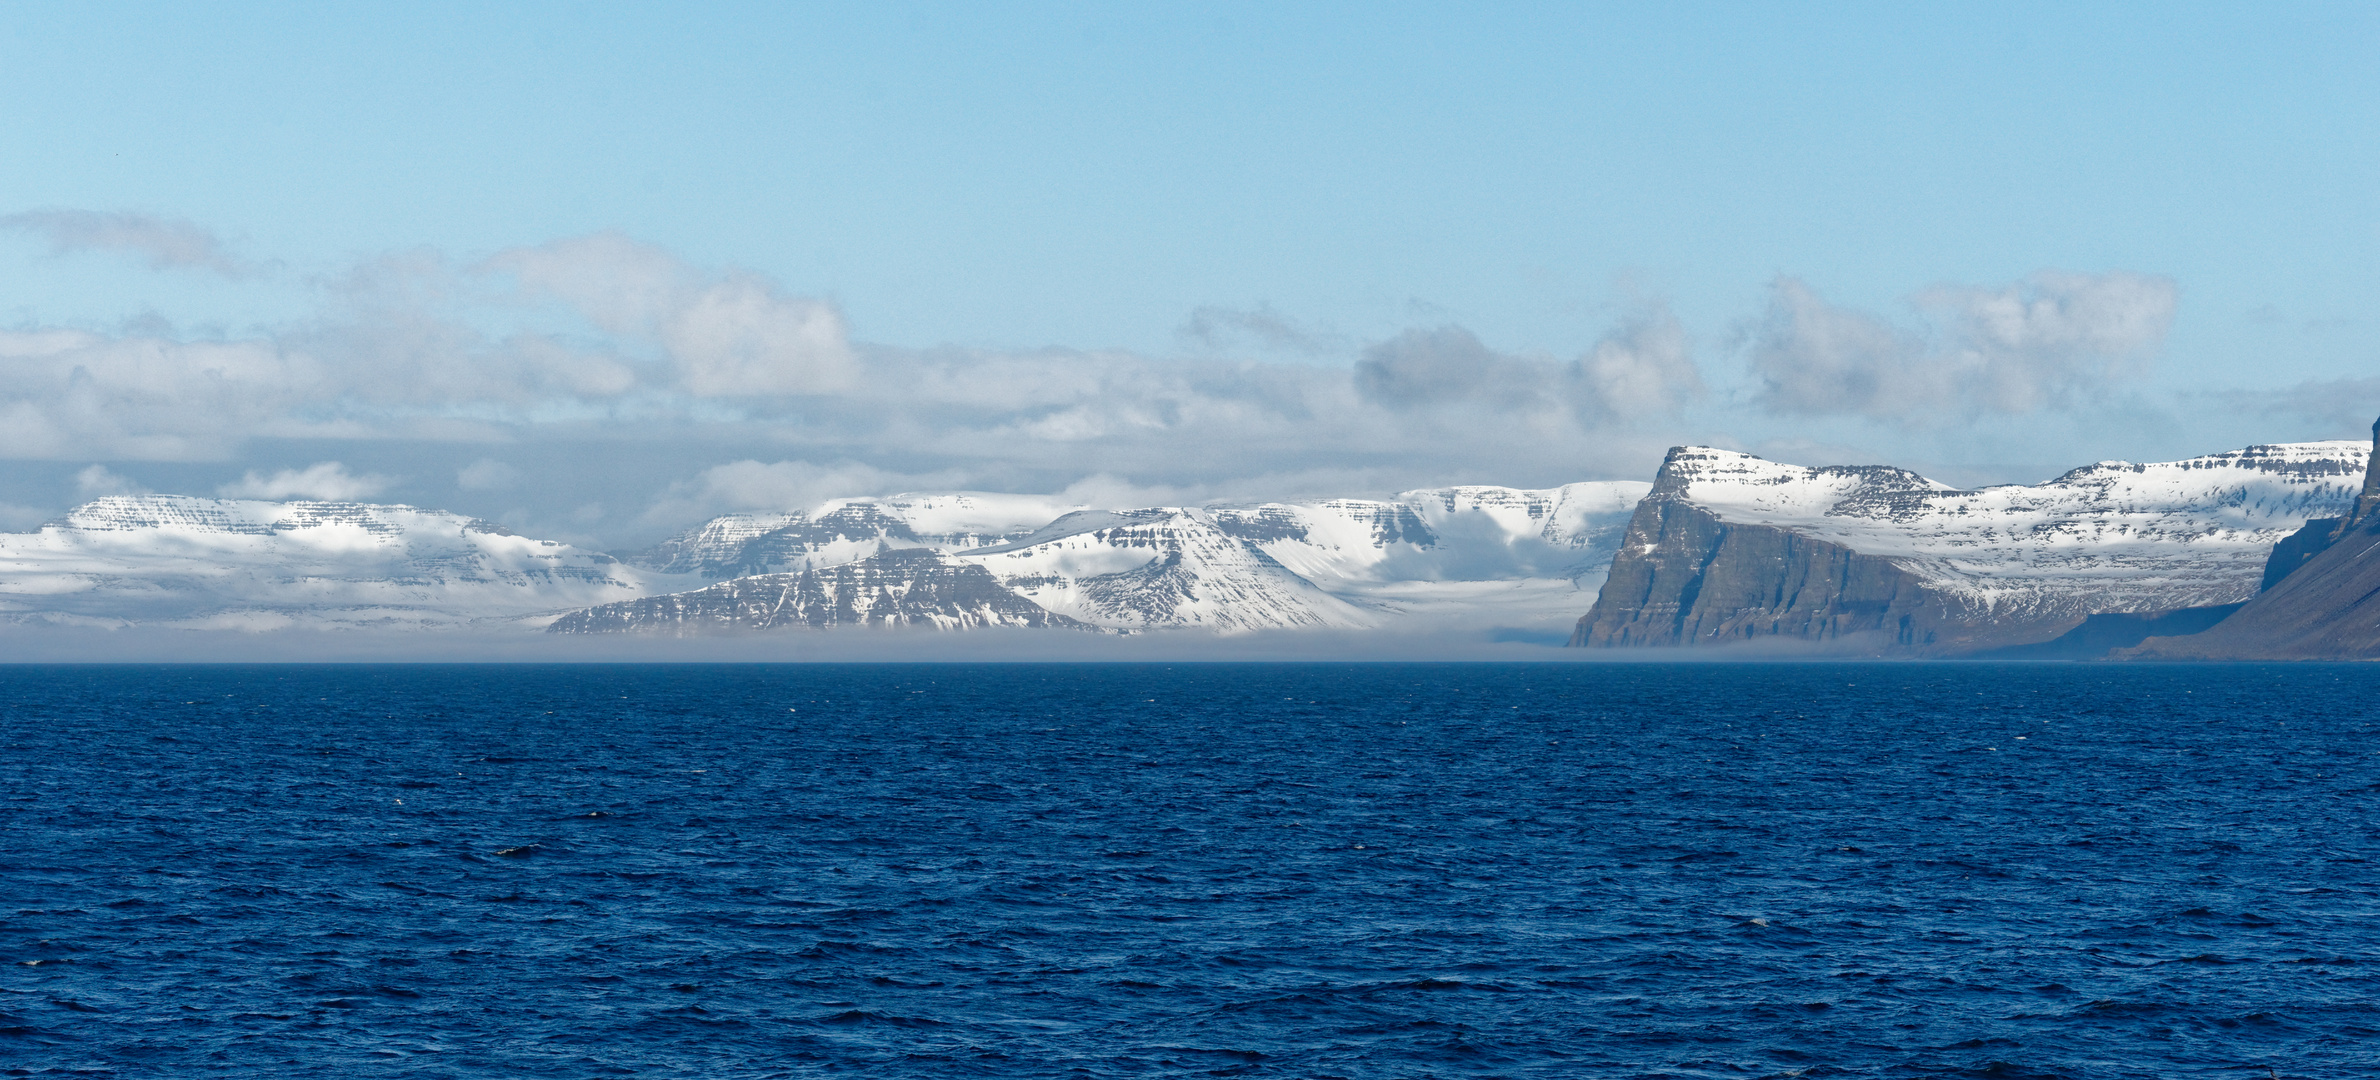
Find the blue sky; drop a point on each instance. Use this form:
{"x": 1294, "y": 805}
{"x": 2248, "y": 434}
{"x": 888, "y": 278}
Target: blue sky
{"x": 1277, "y": 191}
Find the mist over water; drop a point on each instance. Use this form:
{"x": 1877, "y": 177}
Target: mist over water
{"x": 1296, "y": 870}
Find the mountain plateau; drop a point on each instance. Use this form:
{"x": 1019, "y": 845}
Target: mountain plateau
{"x": 1731, "y": 548}
{"x": 194, "y": 563}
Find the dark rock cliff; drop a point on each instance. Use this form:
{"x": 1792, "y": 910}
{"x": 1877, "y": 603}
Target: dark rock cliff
{"x": 2100, "y": 635}
{"x": 2321, "y": 599}
{"x": 2299, "y": 548}
{"x": 1683, "y": 577}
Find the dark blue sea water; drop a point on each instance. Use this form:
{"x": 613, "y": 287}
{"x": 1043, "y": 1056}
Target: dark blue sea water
{"x": 1107, "y": 871}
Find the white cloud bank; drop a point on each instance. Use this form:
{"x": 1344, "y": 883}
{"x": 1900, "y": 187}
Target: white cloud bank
{"x": 748, "y": 397}
{"x": 730, "y": 334}
{"x": 326, "y": 480}
{"x": 750, "y": 486}
{"x": 488, "y": 474}
{"x": 1640, "y": 370}
{"x": 97, "y": 480}
{"x": 2039, "y": 343}
{"x": 164, "y": 243}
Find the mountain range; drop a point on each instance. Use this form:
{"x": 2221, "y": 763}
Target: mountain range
{"x": 1721, "y": 548}
{"x": 183, "y": 562}
{"x": 1466, "y": 559}
{"x": 2321, "y": 595}
{"x": 1461, "y": 557}
{"x": 1729, "y": 548}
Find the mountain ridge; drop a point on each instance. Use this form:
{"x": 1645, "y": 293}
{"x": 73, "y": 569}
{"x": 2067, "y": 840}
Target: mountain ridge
{"x": 2321, "y": 595}
{"x": 195, "y": 562}
{"x": 1469, "y": 556}
{"x": 1721, "y": 546}
{"x": 908, "y": 587}
{"x": 1729, "y": 547}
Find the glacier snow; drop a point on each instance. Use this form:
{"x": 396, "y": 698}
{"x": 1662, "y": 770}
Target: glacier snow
{"x": 1457, "y": 560}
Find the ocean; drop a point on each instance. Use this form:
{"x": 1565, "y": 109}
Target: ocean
{"x": 1107, "y": 870}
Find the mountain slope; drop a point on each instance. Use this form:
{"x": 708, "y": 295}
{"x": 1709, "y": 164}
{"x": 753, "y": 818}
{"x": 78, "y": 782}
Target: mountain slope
{"x": 846, "y": 530}
{"x": 910, "y": 587}
{"x": 1450, "y": 556}
{"x": 1163, "y": 567}
{"x": 1460, "y": 557}
{"x": 2323, "y": 596}
{"x": 177, "y": 560}
{"x": 1730, "y": 547}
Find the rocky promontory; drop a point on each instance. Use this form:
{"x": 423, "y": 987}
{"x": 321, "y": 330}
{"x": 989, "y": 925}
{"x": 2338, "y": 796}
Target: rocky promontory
{"x": 2322, "y": 601}
{"x": 1732, "y": 548}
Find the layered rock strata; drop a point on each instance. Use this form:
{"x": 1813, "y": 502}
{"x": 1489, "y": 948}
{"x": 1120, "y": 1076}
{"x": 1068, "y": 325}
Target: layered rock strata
{"x": 1686, "y": 577}
{"x": 896, "y": 588}
{"x": 1452, "y": 560}
{"x": 2323, "y": 600}
{"x": 1728, "y": 547}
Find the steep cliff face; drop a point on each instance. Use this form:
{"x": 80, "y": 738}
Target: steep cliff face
{"x": 1684, "y": 577}
{"x": 1729, "y": 547}
{"x": 911, "y": 588}
{"x": 2321, "y": 600}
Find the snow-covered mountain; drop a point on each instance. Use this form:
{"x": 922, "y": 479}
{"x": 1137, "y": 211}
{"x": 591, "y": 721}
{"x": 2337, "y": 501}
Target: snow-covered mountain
{"x": 1464, "y": 556}
{"x": 910, "y": 587}
{"x": 1443, "y": 558}
{"x": 1454, "y": 558}
{"x": 1729, "y": 546}
{"x": 2320, "y": 601}
{"x": 845, "y": 530}
{"x": 175, "y": 560}
{"x": 1157, "y": 568}
{"x": 1721, "y": 546}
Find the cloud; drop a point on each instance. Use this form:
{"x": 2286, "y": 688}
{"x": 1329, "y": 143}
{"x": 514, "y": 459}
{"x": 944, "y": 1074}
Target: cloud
{"x": 410, "y": 329}
{"x": 2340, "y": 408}
{"x": 1223, "y": 328}
{"x": 19, "y": 518}
{"x": 1104, "y": 490}
{"x": 781, "y": 487}
{"x": 165, "y": 243}
{"x": 676, "y": 392}
{"x": 1817, "y": 358}
{"x": 1640, "y": 369}
{"x": 71, "y": 394}
{"x": 97, "y": 480}
{"x": 488, "y": 474}
{"x": 729, "y": 334}
{"x": 1440, "y": 366}
{"x": 601, "y": 339}
{"x": 2040, "y": 343}
{"x": 326, "y": 480}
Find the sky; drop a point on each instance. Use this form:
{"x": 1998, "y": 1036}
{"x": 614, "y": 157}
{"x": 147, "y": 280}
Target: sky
{"x": 600, "y": 271}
